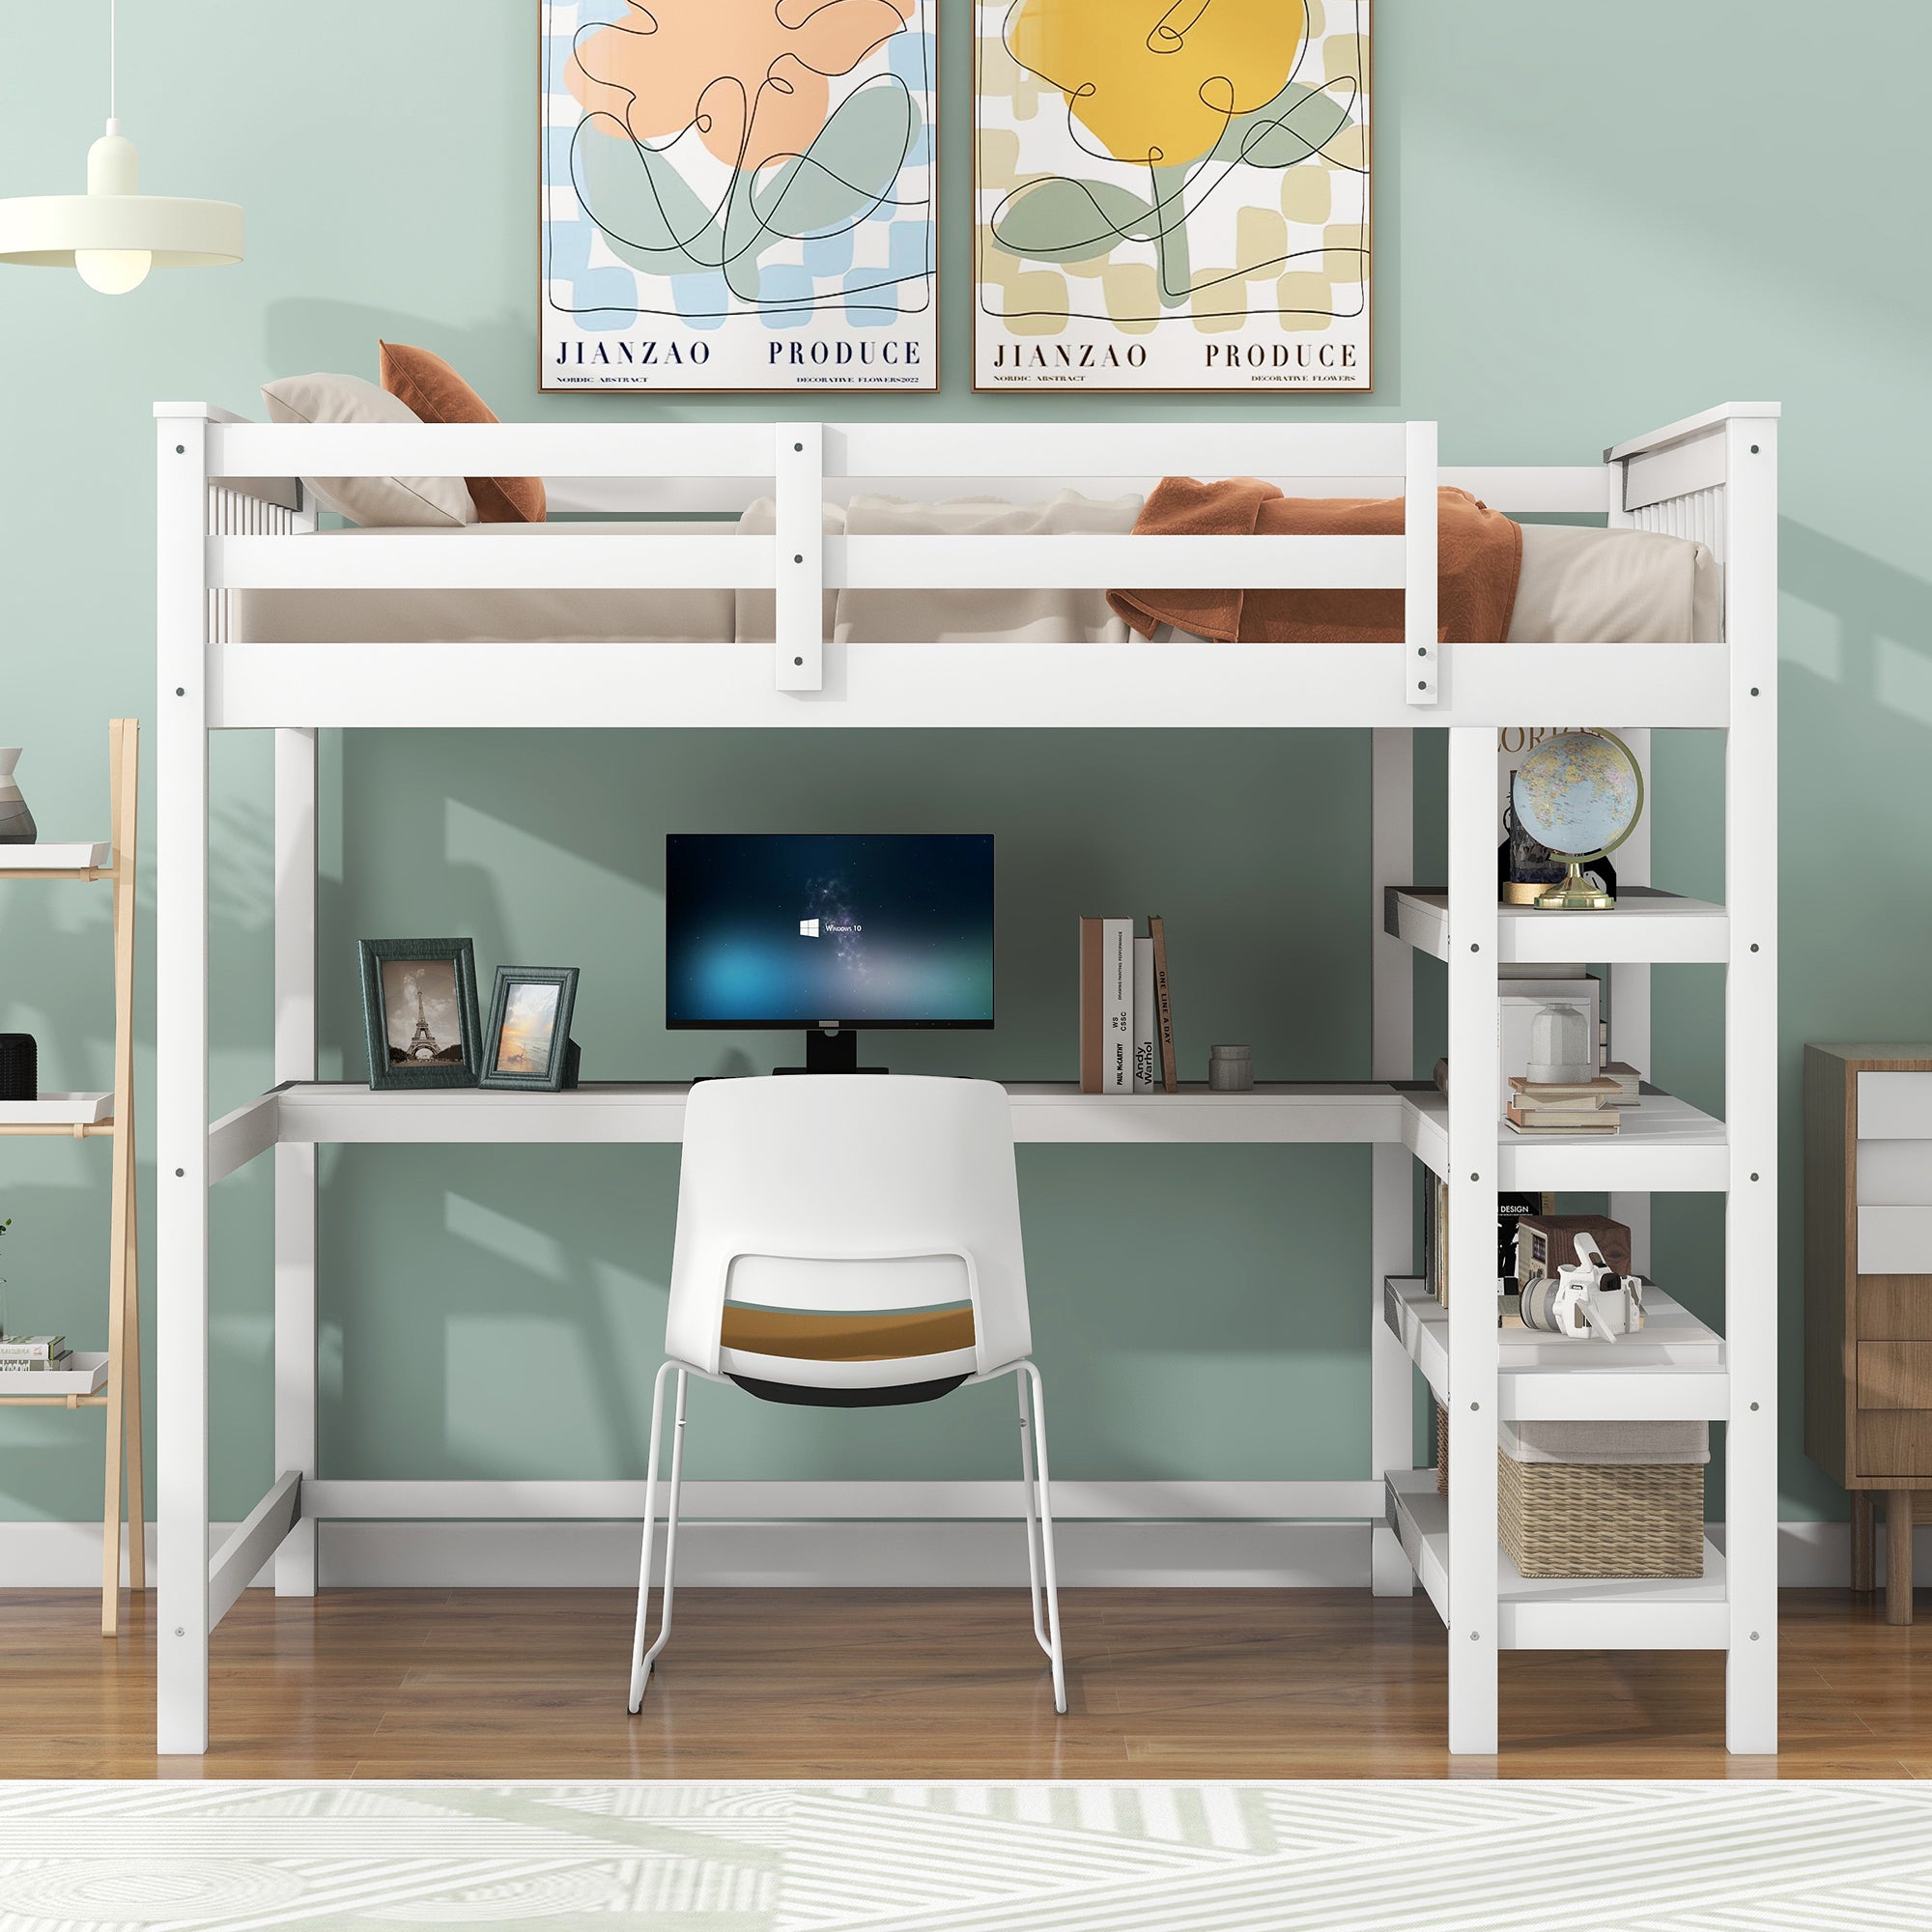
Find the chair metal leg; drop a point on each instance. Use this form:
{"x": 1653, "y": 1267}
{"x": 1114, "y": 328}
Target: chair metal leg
{"x": 641, "y": 1662}
{"x": 1032, "y": 1517}
{"x": 1039, "y": 1432}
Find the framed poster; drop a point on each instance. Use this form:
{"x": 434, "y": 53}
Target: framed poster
{"x": 738, "y": 194}
{"x": 1171, "y": 196}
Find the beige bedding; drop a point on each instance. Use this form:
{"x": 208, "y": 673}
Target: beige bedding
{"x": 1576, "y": 586}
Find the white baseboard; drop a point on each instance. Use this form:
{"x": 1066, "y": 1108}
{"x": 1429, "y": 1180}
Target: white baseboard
{"x": 931, "y": 1554}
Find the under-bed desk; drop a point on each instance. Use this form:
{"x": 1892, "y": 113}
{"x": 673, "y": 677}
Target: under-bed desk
{"x": 223, "y": 528}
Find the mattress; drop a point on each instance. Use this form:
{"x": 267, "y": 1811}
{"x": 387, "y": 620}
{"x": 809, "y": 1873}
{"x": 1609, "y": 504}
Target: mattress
{"x": 1576, "y": 587}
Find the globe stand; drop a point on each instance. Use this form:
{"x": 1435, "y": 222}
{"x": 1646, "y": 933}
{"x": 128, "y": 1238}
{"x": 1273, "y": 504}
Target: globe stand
{"x": 1576, "y": 894}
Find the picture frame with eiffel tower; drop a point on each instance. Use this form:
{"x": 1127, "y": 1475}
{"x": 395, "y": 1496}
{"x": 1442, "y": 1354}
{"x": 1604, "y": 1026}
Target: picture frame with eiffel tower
{"x": 419, "y": 1014}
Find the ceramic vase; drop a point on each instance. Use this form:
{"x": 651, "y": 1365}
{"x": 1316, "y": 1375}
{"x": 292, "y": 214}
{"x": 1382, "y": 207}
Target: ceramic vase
{"x": 16, "y": 822}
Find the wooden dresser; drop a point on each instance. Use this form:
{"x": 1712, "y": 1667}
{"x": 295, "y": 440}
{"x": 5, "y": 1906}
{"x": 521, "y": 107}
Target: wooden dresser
{"x": 1869, "y": 1291}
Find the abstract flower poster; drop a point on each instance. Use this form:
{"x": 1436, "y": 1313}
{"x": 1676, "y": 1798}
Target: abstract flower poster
{"x": 1172, "y": 196}
{"x": 738, "y": 194}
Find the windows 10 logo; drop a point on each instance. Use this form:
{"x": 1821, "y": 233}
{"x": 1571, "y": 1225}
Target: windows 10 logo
{"x": 807, "y": 928}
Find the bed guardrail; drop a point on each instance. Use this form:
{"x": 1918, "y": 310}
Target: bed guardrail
{"x": 1672, "y": 480}
{"x": 246, "y": 546}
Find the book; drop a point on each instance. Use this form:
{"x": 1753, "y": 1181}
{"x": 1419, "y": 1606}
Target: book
{"x": 1147, "y": 1031}
{"x": 1116, "y": 1006}
{"x": 22, "y": 1352}
{"x": 1552, "y": 1093}
{"x": 1163, "y": 1008}
{"x": 1628, "y": 1081}
{"x": 1536, "y": 1097}
{"x": 1559, "y": 1120}
{"x": 1090, "y": 1025}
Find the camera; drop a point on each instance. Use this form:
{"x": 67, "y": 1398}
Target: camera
{"x": 1585, "y": 1297}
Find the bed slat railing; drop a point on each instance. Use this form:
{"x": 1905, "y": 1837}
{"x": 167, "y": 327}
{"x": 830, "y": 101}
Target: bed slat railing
{"x": 534, "y": 559}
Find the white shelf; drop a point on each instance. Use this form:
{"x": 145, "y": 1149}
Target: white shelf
{"x": 54, "y": 858}
{"x": 1664, "y": 1146}
{"x": 1563, "y": 1613}
{"x": 1672, "y": 1371}
{"x": 630, "y": 1113}
{"x": 87, "y": 1376}
{"x": 1646, "y": 925}
{"x": 57, "y": 1109}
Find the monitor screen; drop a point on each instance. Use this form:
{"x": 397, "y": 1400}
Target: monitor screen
{"x": 782, "y": 929}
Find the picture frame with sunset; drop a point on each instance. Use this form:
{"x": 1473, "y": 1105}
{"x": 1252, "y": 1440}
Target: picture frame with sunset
{"x": 526, "y": 1046}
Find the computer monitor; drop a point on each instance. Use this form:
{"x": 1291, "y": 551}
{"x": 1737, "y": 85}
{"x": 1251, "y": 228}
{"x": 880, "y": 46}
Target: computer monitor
{"x": 831, "y": 932}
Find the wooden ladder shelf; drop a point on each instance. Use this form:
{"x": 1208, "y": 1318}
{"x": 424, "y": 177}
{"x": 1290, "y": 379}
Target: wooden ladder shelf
{"x": 121, "y": 1397}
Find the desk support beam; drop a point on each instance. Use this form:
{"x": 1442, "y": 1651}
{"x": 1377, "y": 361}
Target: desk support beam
{"x": 295, "y": 1163}
{"x": 259, "y": 1535}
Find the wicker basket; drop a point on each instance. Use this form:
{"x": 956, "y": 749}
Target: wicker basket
{"x": 1586, "y": 1520}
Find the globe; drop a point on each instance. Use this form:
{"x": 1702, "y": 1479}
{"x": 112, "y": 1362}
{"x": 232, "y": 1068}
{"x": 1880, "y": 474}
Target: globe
{"x": 1580, "y": 795}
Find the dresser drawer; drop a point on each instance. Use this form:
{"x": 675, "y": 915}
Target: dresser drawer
{"x": 1895, "y": 1107}
{"x": 1894, "y": 1308}
{"x": 1895, "y": 1375}
{"x": 1894, "y": 1241}
{"x": 1893, "y": 1443}
{"x": 1895, "y": 1173}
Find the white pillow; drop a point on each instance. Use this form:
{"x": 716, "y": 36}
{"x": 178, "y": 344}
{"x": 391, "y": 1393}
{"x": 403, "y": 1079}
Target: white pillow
{"x": 437, "y": 500}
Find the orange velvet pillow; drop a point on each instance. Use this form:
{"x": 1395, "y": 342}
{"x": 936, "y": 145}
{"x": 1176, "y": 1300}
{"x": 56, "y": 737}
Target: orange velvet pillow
{"x": 438, "y": 394}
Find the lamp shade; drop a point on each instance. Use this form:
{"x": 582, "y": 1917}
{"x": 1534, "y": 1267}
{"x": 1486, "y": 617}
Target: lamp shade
{"x": 114, "y": 223}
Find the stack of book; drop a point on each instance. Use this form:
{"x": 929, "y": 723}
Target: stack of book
{"x": 34, "y": 1352}
{"x": 1563, "y": 1106}
{"x": 1126, "y": 1025}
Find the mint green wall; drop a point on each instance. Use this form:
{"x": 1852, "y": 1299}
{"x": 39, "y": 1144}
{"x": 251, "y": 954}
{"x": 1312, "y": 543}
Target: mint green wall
{"x": 1589, "y": 220}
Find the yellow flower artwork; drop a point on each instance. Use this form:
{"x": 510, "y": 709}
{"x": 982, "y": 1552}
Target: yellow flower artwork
{"x": 1172, "y": 195}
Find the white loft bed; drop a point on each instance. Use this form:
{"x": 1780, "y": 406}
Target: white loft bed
{"x": 230, "y": 520}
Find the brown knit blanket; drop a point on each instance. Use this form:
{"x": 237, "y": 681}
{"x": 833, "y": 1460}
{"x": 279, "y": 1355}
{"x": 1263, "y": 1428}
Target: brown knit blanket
{"x": 1478, "y": 555}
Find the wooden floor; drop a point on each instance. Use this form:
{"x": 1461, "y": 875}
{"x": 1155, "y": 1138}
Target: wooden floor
{"x": 790, "y": 1684}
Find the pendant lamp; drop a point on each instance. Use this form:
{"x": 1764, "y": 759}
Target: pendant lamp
{"x": 112, "y": 235}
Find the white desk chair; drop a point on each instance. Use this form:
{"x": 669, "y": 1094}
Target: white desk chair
{"x": 848, "y": 1240}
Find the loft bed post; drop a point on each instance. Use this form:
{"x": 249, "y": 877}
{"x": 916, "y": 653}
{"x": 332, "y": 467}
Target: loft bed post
{"x": 1629, "y": 986}
{"x": 295, "y": 1203}
{"x": 1391, "y": 1172}
{"x": 1749, "y": 555}
{"x": 181, "y": 1079}
{"x": 1472, "y": 1155}
{"x": 1630, "y": 980}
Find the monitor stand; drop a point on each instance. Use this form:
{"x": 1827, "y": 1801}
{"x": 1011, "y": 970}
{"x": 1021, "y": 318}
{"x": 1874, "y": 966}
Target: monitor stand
{"x": 830, "y": 1050}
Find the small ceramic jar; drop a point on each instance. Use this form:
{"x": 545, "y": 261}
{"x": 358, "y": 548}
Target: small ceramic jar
{"x": 1231, "y": 1069}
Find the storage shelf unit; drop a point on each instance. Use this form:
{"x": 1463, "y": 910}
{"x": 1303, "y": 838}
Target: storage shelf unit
{"x": 109, "y": 1378}
{"x": 1672, "y": 1371}
{"x": 230, "y": 516}
{"x": 1546, "y": 1613}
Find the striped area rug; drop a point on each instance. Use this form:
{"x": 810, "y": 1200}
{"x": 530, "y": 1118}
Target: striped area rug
{"x": 965, "y": 1858}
